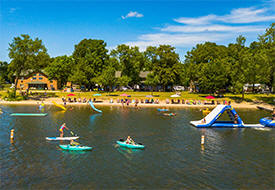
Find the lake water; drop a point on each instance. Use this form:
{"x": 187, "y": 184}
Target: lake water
{"x": 173, "y": 157}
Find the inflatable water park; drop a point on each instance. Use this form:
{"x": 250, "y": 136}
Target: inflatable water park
{"x": 267, "y": 122}
{"x": 211, "y": 120}
{"x": 60, "y": 106}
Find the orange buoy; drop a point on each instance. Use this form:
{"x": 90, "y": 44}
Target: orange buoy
{"x": 12, "y": 134}
{"x": 202, "y": 140}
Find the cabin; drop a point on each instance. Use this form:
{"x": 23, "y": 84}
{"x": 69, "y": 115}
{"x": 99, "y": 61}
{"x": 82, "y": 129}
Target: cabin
{"x": 36, "y": 81}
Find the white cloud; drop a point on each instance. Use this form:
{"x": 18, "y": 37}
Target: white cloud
{"x": 132, "y": 14}
{"x": 178, "y": 40}
{"x": 224, "y": 29}
{"x": 12, "y": 10}
{"x": 241, "y": 15}
{"x": 211, "y": 28}
{"x": 196, "y": 21}
{"x": 247, "y": 15}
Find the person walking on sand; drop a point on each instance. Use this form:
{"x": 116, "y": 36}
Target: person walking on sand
{"x": 236, "y": 119}
{"x": 273, "y": 114}
{"x": 62, "y": 128}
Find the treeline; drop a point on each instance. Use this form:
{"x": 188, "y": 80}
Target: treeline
{"x": 208, "y": 67}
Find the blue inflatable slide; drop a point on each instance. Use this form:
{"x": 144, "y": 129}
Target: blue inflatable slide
{"x": 211, "y": 120}
{"x": 267, "y": 122}
{"x": 92, "y": 105}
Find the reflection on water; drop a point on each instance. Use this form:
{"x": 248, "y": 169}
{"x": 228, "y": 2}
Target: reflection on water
{"x": 173, "y": 159}
{"x": 127, "y": 152}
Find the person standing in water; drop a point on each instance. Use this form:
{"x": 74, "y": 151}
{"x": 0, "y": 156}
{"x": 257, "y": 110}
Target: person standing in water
{"x": 236, "y": 119}
{"x": 62, "y": 128}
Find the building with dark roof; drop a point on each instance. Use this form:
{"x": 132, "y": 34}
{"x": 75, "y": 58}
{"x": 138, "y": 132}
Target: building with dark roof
{"x": 36, "y": 80}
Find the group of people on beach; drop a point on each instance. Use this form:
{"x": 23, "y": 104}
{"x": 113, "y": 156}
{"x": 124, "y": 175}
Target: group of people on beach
{"x": 128, "y": 101}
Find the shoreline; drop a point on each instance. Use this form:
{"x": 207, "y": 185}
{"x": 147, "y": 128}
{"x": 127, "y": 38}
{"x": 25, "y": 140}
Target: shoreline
{"x": 107, "y": 103}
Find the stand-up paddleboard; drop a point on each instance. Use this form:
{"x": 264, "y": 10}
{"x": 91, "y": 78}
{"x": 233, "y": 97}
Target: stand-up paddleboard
{"x": 58, "y": 105}
{"x": 61, "y": 138}
{"x": 92, "y": 105}
{"x": 28, "y": 114}
{"x": 162, "y": 109}
{"x": 77, "y": 147}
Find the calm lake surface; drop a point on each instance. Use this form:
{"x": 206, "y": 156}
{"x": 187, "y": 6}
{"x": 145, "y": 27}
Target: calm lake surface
{"x": 173, "y": 157}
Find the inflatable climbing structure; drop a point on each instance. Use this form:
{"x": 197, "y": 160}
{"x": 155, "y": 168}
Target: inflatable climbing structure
{"x": 211, "y": 120}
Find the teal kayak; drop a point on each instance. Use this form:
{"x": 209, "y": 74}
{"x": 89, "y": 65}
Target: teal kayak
{"x": 124, "y": 144}
{"x": 28, "y": 114}
{"x": 162, "y": 109}
{"x": 77, "y": 147}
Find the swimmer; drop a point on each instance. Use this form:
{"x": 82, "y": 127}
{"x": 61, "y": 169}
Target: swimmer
{"x": 170, "y": 114}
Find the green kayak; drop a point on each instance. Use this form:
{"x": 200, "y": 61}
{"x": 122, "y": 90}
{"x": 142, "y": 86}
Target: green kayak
{"x": 77, "y": 147}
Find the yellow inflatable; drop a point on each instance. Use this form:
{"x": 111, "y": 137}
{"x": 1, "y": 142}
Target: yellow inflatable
{"x": 58, "y": 105}
{"x": 206, "y": 111}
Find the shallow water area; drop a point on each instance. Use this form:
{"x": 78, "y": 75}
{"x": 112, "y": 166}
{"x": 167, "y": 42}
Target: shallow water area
{"x": 173, "y": 156}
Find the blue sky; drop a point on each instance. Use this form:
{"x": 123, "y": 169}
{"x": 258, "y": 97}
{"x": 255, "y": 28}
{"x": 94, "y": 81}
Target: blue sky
{"x": 61, "y": 24}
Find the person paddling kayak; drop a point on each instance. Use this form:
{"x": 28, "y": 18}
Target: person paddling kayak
{"x": 129, "y": 140}
{"x": 73, "y": 143}
{"x": 62, "y": 128}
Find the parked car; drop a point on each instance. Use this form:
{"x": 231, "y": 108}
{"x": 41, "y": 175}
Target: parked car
{"x": 178, "y": 88}
{"x": 124, "y": 88}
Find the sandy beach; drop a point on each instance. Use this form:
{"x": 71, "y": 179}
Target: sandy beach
{"x": 49, "y": 101}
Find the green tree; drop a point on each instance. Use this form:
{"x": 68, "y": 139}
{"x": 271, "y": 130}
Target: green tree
{"x": 237, "y": 59}
{"x": 90, "y": 60}
{"x": 2, "y": 81}
{"x": 124, "y": 80}
{"x": 107, "y": 78}
{"x": 151, "y": 80}
{"x": 131, "y": 62}
{"x": 212, "y": 77}
{"x": 267, "y": 46}
{"x": 4, "y": 71}
{"x": 26, "y": 54}
{"x": 202, "y": 66}
{"x": 165, "y": 65}
{"x": 60, "y": 68}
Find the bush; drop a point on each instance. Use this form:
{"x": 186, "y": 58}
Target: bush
{"x": 11, "y": 97}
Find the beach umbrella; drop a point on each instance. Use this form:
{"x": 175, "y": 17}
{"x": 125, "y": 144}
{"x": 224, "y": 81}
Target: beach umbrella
{"x": 210, "y": 97}
{"x": 71, "y": 95}
{"x": 97, "y": 95}
{"x": 125, "y": 95}
{"x": 175, "y": 96}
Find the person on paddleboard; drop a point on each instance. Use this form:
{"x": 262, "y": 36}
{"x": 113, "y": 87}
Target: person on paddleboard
{"x": 62, "y": 128}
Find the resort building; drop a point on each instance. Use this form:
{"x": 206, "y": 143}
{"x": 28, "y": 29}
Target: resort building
{"x": 37, "y": 81}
